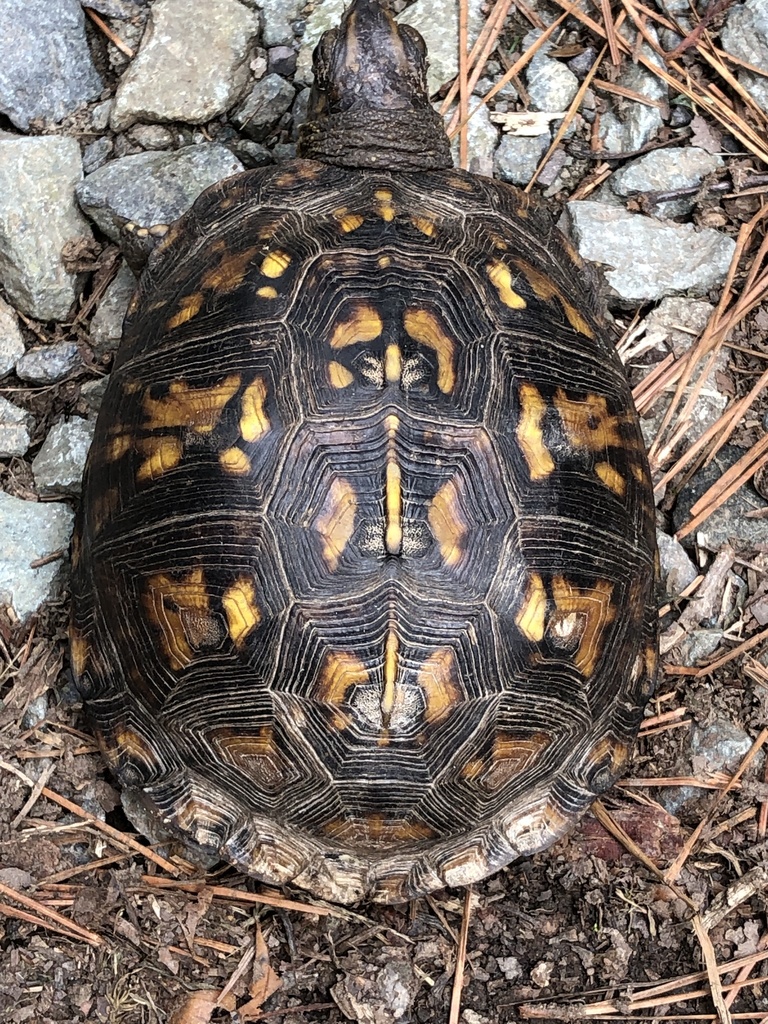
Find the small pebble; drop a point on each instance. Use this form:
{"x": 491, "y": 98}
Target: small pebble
{"x": 49, "y": 363}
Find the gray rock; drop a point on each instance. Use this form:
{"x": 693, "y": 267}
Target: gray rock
{"x": 675, "y": 323}
{"x": 378, "y": 992}
{"x": 281, "y": 60}
{"x": 38, "y": 215}
{"x": 152, "y": 136}
{"x": 263, "y": 107}
{"x": 30, "y": 531}
{"x": 36, "y": 712}
{"x": 677, "y": 570}
{"x": 96, "y": 154}
{"x": 518, "y": 157}
{"x": 639, "y": 123}
{"x": 252, "y": 154}
{"x": 663, "y": 170}
{"x": 325, "y": 15}
{"x": 719, "y": 746}
{"x": 745, "y": 35}
{"x": 58, "y": 466}
{"x": 100, "y": 116}
{"x": 11, "y": 341}
{"x": 45, "y": 364}
{"x": 510, "y": 967}
{"x": 277, "y": 16}
{"x": 482, "y": 140}
{"x": 92, "y": 395}
{"x": 729, "y": 524}
{"x": 698, "y": 645}
{"x": 183, "y": 75}
{"x": 107, "y": 322}
{"x": 438, "y": 22}
{"x": 46, "y": 72}
{"x": 14, "y": 429}
{"x": 551, "y": 85}
{"x": 650, "y": 258}
{"x": 153, "y": 188}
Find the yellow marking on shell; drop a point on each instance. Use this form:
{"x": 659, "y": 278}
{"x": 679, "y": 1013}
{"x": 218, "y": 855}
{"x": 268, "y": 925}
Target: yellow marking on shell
{"x": 393, "y": 363}
{"x": 425, "y": 328}
{"x": 243, "y": 614}
{"x": 275, "y": 263}
{"x": 254, "y": 422}
{"x": 230, "y": 271}
{"x": 514, "y": 753}
{"x": 472, "y": 769}
{"x": 167, "y": 601}
{"x": 375, "y": 829}
{"x": 501, "y": 278}
{"x": 384, "y": 205}
{"x": 587, "y": 422}
{"x": 336, "y": 521}
{"x": 448, "y": 523}
{"x": 364, "y": 324}
{"x": 612, "y": 479}
{"x": 638, "y": 472}
{"x": 79, "y": 651}
{"x": 189, "y": 307}
{"x": 235, "y": 461}
{"x": 128, "y": 742}
{"x": 199, "y": 409}
{"x": 162, "y": 455}
{"x": 341, "y": 671}
{"x": 424, "y": 225}
{"x": 609, "y": 750}
{"x": 118, "y": 446}
{"x": 348, "y": 221}
{"x": 437, "y": 679}
{"x": 384, "y": 261}
{"x": 393, "y": 492}
{"x": 391, "y": 648}
{"x": 267, "y": 292}
{"x": 594, "y": 604}
{"x": 338, "y": 375}
{"x": 545, "y": 289}
{"x": 530, "y": 435}
{"x": 456, "y": 181}
{"x": 530, "y": 620}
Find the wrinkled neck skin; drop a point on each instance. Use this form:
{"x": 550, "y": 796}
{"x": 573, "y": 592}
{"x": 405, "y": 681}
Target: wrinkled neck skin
{"x": 399, "y": 140}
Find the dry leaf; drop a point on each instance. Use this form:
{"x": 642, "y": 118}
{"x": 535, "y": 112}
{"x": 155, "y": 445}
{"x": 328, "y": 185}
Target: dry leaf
{"x": 199, "y": 1006}
{"x": 265, "y": 982}
{"x": 527, "y": 122}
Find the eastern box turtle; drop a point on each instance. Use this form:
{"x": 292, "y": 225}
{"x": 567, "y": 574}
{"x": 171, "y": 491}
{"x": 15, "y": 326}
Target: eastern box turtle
{"x": 363, "y": 575}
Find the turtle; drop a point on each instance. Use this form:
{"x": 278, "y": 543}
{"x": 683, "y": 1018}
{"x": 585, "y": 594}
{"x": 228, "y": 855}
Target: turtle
{"x": 364, "y": 569}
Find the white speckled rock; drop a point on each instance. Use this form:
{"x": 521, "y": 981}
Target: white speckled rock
{"x": 186, "y": 72}
{"x": 745, "y": 35}
{"x": 29, "y": 531}
{"x": 58, "y": 466}
{"x": 649, "y": 258}
{"x": 14, "y": 429}
{"x": 38, "y": 215}
{"x": 277, "y": 16}
{"x": 11, "y": 341}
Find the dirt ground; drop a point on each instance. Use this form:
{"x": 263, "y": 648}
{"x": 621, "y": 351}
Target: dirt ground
{"x": 97, "y": 927}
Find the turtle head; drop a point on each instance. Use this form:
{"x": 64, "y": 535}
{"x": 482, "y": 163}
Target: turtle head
{"x": 370, "y": 103}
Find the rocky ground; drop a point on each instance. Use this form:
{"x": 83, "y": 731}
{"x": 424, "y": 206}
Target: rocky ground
{"x": 126, "y": 110}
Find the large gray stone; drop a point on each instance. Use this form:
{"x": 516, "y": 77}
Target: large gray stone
{"x": 663, "y": 170}
{"x": 58, "y": 466}
{"x": 38, "y": 215}
{"x": 518, "y": 156}
{"x": 187, "y": 75}
{"x": 153, "y": 188}
{"x": 30, "y": 531}
{"x": 46, "y": 70}
{"x": 482, "y": 139}
{"x": 11, "y": 341}
{"x": 551, "y": 85}
{"x": 745, "y": 35}
{"x": 650, "y": 258}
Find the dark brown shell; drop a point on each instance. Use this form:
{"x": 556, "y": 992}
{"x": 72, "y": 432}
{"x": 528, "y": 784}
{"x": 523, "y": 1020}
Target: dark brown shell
{"x": 364, "y": 568}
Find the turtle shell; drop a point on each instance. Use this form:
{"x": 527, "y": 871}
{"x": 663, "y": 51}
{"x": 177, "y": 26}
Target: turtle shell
{"x": 363, "y": 572}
